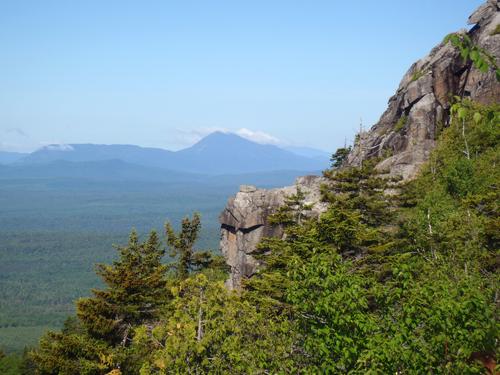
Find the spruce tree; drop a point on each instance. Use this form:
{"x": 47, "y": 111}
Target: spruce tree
{"x": 211, "y": 330}
{"x": 136, "y": 288}
{"x": 182, "y": 247}
{"x": 340, "y": 156}
{"x": 71, "y": 351}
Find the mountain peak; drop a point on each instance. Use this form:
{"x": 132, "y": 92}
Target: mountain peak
{"x": 218, "y": 153}
{"x": 225, "y": 136}
{"x": 226, "y": 145}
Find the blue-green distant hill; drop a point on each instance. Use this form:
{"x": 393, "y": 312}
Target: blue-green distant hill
{"x": 217, "y": 154}
{"x": 63, "y": 206}
{"x": 11, "y": 157}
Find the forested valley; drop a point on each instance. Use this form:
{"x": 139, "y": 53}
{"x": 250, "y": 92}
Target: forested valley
{"x": 381, "y": 283}
{"x": 397, "y": 273}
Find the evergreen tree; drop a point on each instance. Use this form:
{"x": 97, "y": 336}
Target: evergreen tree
{"x": 340, "y": 156}
{"x": 362, "y": 189}
{"x": 353, "y": 291}
{"x": 419, "y": 294}
{"x": 293, "y": 211}
{"x": 182, "y": 247}
{"x": 211, "y": 330}
{"x": 72, "y": 351}
{"x": 135, "y": 291}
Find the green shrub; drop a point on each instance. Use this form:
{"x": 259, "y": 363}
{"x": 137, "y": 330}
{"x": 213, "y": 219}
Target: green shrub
{"x": 400, "y": 124}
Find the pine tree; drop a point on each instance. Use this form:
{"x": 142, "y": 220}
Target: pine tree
{"x": 293, "y": 211}
{"x": 71, "y": 351}
{"x": 211, "y": 330}
{"x": 363, "y": 189}
{"x": 276, "y": 254}
{"x": 340, "y": 156}
{"x": 361, "y": 214}
{"x": 182, "y": 247}
{"x": 136, "y": 288}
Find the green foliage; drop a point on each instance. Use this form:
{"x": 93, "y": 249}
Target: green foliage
{"x": 101, "y": 339}
{"x": 360, "y": 190}
{"x": 135, "y": 291}
{"x": 482, "y": 60}
{"x": 400, "y": 124}
{"x": 213, "y": 331}
{"x": 181, "y": 247}
{"x": 331, "y": 306}
{"x": 293, "y": 211}
{"x": 380, "y": 283}
{"x": 54, "y": 231}
{"x": 70, "y": 353}
{"x": 16, "y": 364}
{"x": 436, "y": 317}
{"x": 345, "y": 230}
{"x": 464, "y": 174}
{"x": 10, "y": 364}
{"x": 340, "y": 156}
{"x": 97, "y": 342}
{"x": 418, "y": 74}
{"x": 440, "y": 302}
{"x": 372, "y": 294}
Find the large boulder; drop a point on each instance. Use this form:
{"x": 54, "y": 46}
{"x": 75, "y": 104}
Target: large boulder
{"x": 244, "y": 222}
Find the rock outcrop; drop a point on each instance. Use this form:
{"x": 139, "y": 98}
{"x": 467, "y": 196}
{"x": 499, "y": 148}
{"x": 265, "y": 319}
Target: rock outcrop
{"x": 244, "y": 222}
{"x": 406, "y": 132}
{"x": 404, "y": 137}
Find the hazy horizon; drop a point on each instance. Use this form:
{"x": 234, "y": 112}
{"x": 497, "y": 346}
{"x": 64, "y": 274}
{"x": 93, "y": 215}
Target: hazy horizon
{"x": 165, "y": 75}
{"x": 242, "y": 134}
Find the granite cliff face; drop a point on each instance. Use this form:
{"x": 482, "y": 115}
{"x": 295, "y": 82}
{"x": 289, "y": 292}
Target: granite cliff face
{"x": 405, "y": 134}
{"x": 404, "y": 137}
{"x": 244, "y": 222}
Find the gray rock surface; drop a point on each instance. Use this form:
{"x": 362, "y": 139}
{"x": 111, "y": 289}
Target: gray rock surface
{"x": 405, "y": 134}
{"x": 404, "y": 137}
{"x": 244, "y": 222}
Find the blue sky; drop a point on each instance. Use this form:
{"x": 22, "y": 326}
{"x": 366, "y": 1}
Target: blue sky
{"x": 164, "y": 73}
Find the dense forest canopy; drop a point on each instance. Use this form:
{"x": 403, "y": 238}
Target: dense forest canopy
{"x": 394, "y": 278}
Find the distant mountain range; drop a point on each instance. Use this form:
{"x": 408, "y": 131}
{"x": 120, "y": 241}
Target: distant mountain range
{"x": 114, "y": 171}
{"x": 11, "y": 157}
{"x": 217, "y": 154}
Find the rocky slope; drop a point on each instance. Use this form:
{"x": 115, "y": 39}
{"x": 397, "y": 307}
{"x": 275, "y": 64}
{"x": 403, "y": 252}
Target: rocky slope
{"x": 244, "y": 222}
{"x": 405, "y": 134}
{"x": 403, "y": 137}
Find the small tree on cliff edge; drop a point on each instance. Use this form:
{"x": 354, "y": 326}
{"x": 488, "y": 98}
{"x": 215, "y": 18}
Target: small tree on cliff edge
{"x": 340, "y": 156}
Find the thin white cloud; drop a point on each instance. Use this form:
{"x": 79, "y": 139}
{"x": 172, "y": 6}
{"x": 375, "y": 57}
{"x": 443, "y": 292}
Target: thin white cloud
{"x": 59, "y": 147}
{"x": 259, "y": 137}
{"x": 186, "y": 138}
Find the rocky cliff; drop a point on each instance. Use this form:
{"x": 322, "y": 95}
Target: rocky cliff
{"x": 244, "y": 222}
{"x": 404, "y": 137}
{"x": 405, "y": 134}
